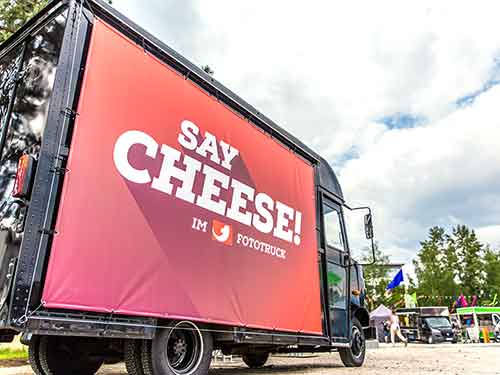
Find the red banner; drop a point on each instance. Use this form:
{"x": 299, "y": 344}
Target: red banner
{"x": 174, "y": 206}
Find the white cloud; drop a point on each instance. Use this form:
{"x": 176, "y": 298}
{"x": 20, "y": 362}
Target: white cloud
{"x": 340, "y": 67}
{"x": 326, "y": 71}
{"x": 490, "y": 234}
{"x": 443, "y": 173}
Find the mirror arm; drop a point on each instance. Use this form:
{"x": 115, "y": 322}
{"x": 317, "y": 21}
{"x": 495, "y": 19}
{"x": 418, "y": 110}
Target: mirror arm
{"x": 372, "y": 242}
{"x": 374, "y": 260}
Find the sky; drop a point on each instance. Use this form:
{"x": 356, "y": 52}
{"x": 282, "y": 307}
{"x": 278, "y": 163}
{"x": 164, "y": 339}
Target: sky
{"x": 402, "y": 98}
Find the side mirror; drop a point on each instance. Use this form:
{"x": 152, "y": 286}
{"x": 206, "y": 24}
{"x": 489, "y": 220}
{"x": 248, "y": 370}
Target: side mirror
{"x": 368, "y": 226}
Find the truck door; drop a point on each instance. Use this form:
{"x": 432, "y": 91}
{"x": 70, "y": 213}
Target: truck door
{"x": 335, "y": 248}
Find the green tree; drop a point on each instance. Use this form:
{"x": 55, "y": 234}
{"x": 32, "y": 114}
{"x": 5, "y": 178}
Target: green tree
{"x": 492, "y": 272}
{"x": 207, "y": 69}
{"x": 450, "y": 267}
{"x": 436, "y": 267}
{"x": 376, "y": 277}
{"x": 446, "y": 266}
{"x": 470, "y": 263}
{"x": 15, "y": 13}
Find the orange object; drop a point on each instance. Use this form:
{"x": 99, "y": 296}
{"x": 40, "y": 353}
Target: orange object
{"x": 486, "y": 335}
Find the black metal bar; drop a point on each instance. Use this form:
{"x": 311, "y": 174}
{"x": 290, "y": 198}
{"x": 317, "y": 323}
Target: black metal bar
{"x": 41, "y": 213}
{"x": 90, "y": 325}
{"x": 73, "y": 54}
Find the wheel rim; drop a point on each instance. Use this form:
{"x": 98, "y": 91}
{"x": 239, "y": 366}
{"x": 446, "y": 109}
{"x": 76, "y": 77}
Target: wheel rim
{"x": 184, "y": 348}
{"x": 358, "y": 342}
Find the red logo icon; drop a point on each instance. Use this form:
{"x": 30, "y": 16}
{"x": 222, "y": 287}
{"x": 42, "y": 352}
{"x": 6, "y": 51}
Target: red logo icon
{"x": 222, "y": 232}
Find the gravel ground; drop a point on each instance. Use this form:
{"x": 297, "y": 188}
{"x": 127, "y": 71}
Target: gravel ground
{"x": 415, "y": 359}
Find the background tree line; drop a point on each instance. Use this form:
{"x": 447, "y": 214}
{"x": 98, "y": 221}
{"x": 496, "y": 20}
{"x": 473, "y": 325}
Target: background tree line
{"x": 447, "y": 265}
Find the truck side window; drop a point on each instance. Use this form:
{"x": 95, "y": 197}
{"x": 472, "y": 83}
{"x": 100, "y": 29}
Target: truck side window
{"x": 333, "y": 228}
{"x": 354, "y": 278}
{"x": 336, "y": 286}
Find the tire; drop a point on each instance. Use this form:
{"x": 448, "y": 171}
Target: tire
{"x": 146, "y": 357}
{"x": 66, "y": 355}
{"x": 34, "y": 355}
{"x": 182, "y": 349}
{"x": 133, "y": 357}
{"x": 430, "y": 340}
{"x": 354, "y": 356}
{"x": 255, "y": 360}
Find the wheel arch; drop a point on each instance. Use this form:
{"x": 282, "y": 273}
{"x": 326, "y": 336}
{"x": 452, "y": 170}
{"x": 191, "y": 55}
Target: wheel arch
{"x": 362, "y": 315}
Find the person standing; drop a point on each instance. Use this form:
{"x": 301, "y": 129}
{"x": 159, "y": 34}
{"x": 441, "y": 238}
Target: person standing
{"x": 387, "y": 331}
{"x": 396, "y": 330}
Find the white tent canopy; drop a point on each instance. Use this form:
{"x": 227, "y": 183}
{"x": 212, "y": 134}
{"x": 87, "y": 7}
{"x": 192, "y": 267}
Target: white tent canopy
{"x": 380, "y": 312}
{"x": 377, "y": 318}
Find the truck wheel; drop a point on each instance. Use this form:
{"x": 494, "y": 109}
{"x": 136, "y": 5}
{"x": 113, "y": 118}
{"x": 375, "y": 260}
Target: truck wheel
{"x": 355, "y": 355}
{"x": 255, "y": 360}
{"x": 146, "y": 357}
{"x": 133, "y": 357}
{"x": 34, "y": 355}
{"x": 182, "y": 349}
{"x": 66, "y": 355}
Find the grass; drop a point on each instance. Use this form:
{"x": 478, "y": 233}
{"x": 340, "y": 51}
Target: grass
{"x": 9, "y": 354}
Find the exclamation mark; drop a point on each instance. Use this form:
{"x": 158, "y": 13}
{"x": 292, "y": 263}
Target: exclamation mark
{"x": 298, "y": 228}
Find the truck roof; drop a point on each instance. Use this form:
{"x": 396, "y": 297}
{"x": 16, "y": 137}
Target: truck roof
{"x": 479, "y": 310}
{"x": 326, "y": 176}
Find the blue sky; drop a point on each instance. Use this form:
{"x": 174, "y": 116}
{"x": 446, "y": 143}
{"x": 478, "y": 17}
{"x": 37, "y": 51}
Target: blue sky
{"x": 401, "y": 98}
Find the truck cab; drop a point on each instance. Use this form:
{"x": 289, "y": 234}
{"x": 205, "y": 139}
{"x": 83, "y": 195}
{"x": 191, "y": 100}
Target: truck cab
{"x": 342, "y": 277}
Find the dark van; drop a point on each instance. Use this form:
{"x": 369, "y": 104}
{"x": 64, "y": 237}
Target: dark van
{"x": 427, "y": 324}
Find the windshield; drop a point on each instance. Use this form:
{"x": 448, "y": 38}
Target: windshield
{"x": 438, "y": 322}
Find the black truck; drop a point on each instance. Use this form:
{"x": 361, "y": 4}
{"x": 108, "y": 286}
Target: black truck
{"x": 103, "y": 259}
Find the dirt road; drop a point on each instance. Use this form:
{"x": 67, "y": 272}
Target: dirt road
{"x": 414, "y": 360}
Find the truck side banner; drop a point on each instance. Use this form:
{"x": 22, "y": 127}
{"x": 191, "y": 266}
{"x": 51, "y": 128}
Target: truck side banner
{"x": 174, "y": 206}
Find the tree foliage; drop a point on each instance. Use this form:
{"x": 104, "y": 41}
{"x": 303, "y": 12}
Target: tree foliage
{"x": 452, "y": 265}
{"x": 207, "y": 69}
{"x": 492, "y": 271}
{"x": 15, "y": 13}
{"x": 470, "y": 265}
{"x": 377, "y": 277}
{"x": 447, "y": 266}
{"x": 436, "y": 267}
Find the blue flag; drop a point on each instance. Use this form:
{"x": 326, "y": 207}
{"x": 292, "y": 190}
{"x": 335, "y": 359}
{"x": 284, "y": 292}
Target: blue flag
{"x": 398, "y": 279}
